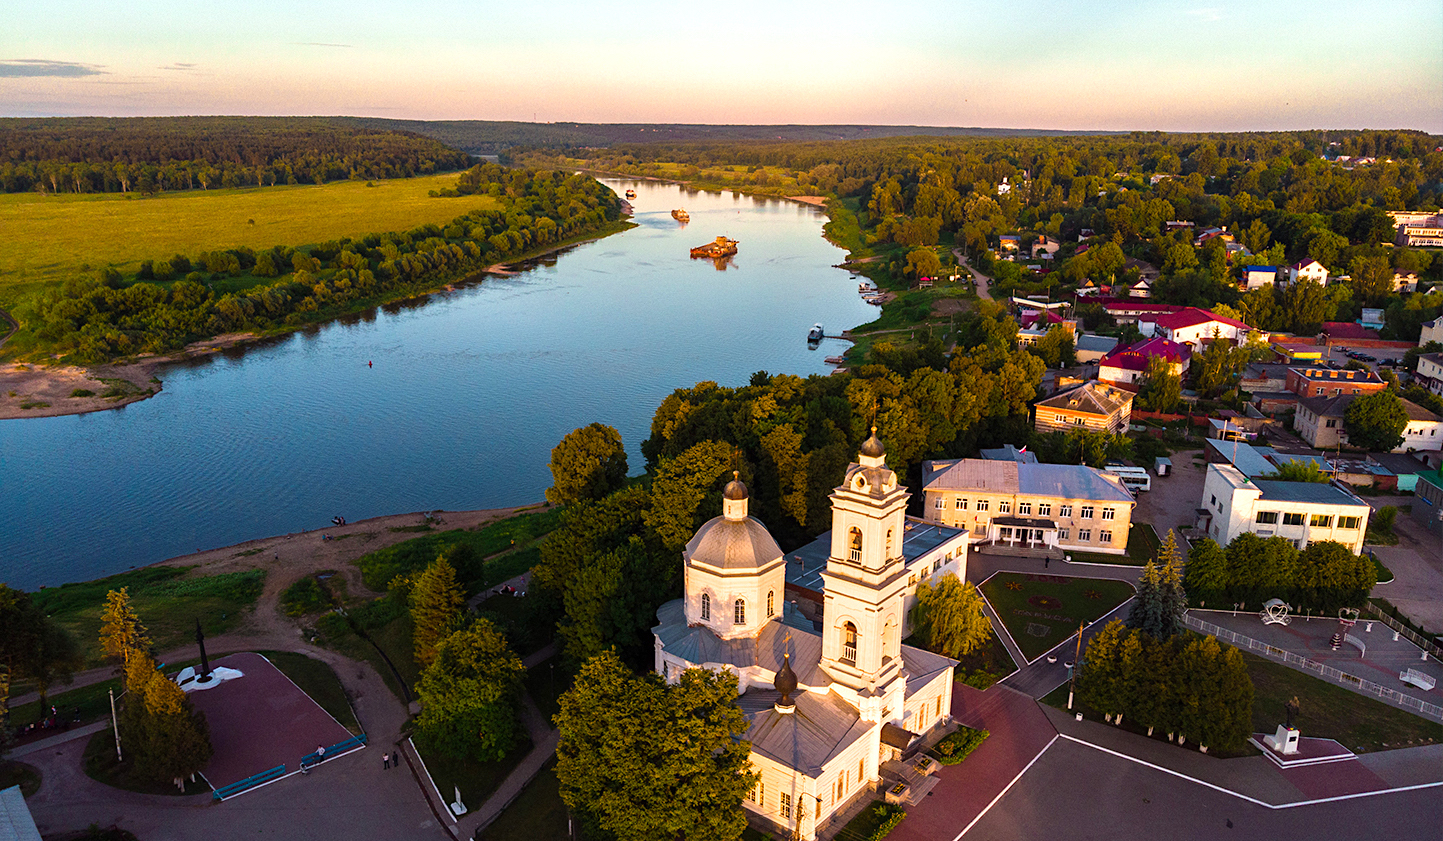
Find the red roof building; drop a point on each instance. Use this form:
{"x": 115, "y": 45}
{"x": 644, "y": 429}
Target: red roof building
{"x": 1127, "y": 365}
{"x": 1194, "y": 326}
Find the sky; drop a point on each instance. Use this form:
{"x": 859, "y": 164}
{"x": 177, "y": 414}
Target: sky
{"x": 1143, "y": 65}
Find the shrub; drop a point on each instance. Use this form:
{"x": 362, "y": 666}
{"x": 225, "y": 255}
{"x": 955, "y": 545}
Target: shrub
{"x": 957, "y": 746}
{"x": 305, "y": 596}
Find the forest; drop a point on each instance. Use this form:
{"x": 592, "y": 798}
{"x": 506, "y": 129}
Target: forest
{"x": 153, "y": 154}
{"x": 177, "y": 299}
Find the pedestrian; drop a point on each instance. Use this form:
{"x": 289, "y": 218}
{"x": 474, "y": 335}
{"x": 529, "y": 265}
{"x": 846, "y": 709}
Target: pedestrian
{"x": 385, "y": 762}
{"x": 396, "y": 759}
{"x": 1046, "y": 561}
{"x": 320, "y": 752}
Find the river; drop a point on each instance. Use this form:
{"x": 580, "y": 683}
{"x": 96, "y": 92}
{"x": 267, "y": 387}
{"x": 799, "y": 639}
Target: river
{"x": 465, "y": 396}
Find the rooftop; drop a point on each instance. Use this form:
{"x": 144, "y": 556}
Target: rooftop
{"x": 1310, "y": 492}
{"x": 1066, "y": 481}
{"x": 1245, "y": 457}
{"x": 1330, "y": 374}
{"x": 1400, "y": 464}
{"x": 806, "y": 564}
{"x": 1194, "y": 316}
{"x": 1089, "y": 398}
{"x": 1348, "y": 330}
{"x": 1135, "y": 356}
{"x": 1010, "y": 453}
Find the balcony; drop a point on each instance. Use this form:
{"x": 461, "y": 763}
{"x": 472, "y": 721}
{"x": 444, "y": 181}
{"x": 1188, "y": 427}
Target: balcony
{"x": 849, "y": 654}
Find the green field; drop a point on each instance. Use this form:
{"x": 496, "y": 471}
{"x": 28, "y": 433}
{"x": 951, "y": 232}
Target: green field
{"x": 54, "y": 238}
{"x": 1041, "y": 611}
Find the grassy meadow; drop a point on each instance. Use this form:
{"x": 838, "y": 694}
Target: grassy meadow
{"x": 54, "y": 238}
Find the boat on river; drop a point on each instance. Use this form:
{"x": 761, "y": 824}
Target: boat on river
{"x": 816, "y": 334}
{"x": 721, "y": 247}
{"x": 681, "y": 215}
{"x": 631, "y": 194}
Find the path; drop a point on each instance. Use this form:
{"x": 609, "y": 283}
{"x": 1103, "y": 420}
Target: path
{"x": 14, "y": 326}
{"x": 979, "y": 278}
{"x": 1417, "y": 565}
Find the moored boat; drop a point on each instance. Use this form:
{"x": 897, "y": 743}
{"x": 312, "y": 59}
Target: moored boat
{"x": 681, "y": 215}
{"x": 631, "y": 194}
{"x": 721, "y": 247}
{"x": 816, "y": 334}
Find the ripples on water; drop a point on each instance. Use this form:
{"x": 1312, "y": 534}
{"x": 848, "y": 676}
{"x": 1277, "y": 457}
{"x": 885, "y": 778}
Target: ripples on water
{"x": 470, "y": 391}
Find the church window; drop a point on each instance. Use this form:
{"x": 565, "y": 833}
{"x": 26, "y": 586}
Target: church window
{"x": 785, "y": 806}
{"x": 705, "y": 606}
{"x": 771, "y": 610}
{"x": 739, "y": 613}
{"x": 939, "y": 706}
{"x": 856, "y": 544}
{"x": 861, "y": 769}
{"x": 849, "y": 643}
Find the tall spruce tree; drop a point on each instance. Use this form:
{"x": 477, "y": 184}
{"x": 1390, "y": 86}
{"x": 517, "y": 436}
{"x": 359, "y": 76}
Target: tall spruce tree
{"x": 436, "y": 603}
{"x": 1207, "y": 571}
{"x": 1148, "y": 611}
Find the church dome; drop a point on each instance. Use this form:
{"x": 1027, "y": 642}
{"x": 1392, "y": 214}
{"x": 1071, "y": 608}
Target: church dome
{"x": 734, "y": 489}
{"x": 733, "y": 544}
{"x": 873, "y": 446}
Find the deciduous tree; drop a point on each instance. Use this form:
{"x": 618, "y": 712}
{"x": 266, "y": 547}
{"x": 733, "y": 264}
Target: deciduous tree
{"x": 1376, "y": 421}
{"x": 589, "y": 463}
{"x": 469, "y": 695}
{"x": 949, "y": 617}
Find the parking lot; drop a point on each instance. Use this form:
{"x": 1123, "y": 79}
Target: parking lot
{"x": 1173, "y": 499}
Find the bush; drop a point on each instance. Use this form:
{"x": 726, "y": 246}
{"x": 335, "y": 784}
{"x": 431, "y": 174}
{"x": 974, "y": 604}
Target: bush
{"x": 957, "y": 746}
{"x": 305, "y": 596}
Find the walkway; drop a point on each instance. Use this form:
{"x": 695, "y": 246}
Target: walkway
{"x": 979, "y": 278}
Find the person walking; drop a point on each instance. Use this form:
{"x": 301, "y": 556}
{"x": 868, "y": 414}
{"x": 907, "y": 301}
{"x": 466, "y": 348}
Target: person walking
{"x": 385, "y": 762}
{"x": 396, "y": 759}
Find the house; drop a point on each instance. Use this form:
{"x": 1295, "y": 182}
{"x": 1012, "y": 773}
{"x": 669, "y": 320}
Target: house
{"x": 1298, "y": 353}
{"x": 1428, "y": 502}
{"x": 1145, "y": 270}
{"x": 1010, "y": 453}
{"x": 1432, "y": 332}
{"x": 1093, "y": 406}
{"x": 1371, "y": 319}
{"x": 1424, "y": 431}
{"x": 1430, "y": 372}
{"x": 829, "y": 707}
{"x": 1194, "y": 326}
{"x": 1405, "y": 282}
{"x": 1308, "y": 270}
{"x": 1087, "y": 287}
{"x": 1176, "y": 225}
{"x": 1009, "y": 242}
{"x": 1317, "y": 382}
{"x": 1127, "y": 365}
{"x": 1404, "y": 466}
{"x": 1220, "y": 234}
{"x": 1086, "y": 234}
{"x": 1131, "y": 310}
{"x": 1235, "y": 250}
{"x": 1141, "y": 289}
{"x": 1319, "y": 421}
{"x": 1040, "y": 509}
{"x": 1256, "y": 277}
{"x": 1303, "y": 512}
{"x": 1091, "y": 348}
{"x": 1045, "y": 245}
{"x": 1264, "y": 377}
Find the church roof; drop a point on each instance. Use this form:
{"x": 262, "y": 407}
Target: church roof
{"x": 699, "y": 644}
{"x": 922, "y": 666}
{"x": 733, "y": 544}
{"x": 822, "y": 727}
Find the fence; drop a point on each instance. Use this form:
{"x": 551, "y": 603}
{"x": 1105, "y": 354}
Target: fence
{"x": 1413, "y": 636}
{"x": 1341, "y": 678}
{"x": 250, "y": 782}
{"x": 338, "y": 749}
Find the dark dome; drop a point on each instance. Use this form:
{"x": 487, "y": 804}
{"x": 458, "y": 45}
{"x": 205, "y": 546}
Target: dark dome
{"x": 786, "y": 680}
{"x": 873, "y": 446}
{"x": 734, "y": 489}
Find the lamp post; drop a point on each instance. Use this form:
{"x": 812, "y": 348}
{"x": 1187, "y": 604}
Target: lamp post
{"x": 1072, "y": 672}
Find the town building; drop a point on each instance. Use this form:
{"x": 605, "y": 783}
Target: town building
{"x": 1432, "y": 332}
{"x": 1319, "y": 421}
{"x": 1125, "y": 366}
{"x": 833, "y": 713}
{"x": 1045, "y": 245}
{"x": 1430, "y": 372}
{"x": 1406, "y": 467}
{"x": 1417, "y": 229}
{"x": 1091, "y": 347}
{"x": 1428, "y": 502}
{"x": 1093, "y": 406}
{"x": 1194, "y": 326}
{"x": 1405, "y": 282}
{"x": 1009, "y": 453}
{"x": 1141, "y": 289}
{"x": 1317, "y": 382}
{"x": 1308, "y": 270}
{"x": 1256, "y": 277}
{"x": 1132, "y": 311}
{"x": 16, "y": 823}
{"x": 1303, "y": 512}
{"x": 1040, "y": 509}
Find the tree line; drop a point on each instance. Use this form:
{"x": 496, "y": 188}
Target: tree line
{"x": 155, "y": 154}
{"x": 1321, "y": 578}
{"x": 173, "y": 301}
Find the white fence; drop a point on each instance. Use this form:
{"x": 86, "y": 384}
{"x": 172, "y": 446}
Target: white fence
{"x": 1342, "y": 678}
{"x": 1417, "y": 639}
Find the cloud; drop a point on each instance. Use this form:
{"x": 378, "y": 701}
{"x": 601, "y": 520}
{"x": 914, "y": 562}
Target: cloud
{"x": 319, "y": 44}
{"x": 178, "y": 65}
{"x": 44, "y": 67}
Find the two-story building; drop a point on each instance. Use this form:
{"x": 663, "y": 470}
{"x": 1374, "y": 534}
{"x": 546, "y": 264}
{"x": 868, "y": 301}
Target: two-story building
{"x": 1194, "y": 326}
{"x": 1430, "y": 371}
{"x": 1308, "y": 270}
{"x": 1303, "y": 512}
{"x": 1094, "y": 406}
{"x": 1034, "y": 508}
{"x": 1432, "y": 332}
{"x": 1320, "y": 422}
{"x": 1256, "y": 277}
{"x": 1330, "y": 382}
{"x": 1124, "y": 366}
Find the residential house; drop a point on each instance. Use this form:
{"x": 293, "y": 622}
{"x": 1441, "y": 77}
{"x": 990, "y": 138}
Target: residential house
{"x": 1430, "y": 372}
{"x": 1093, "y": 406}
{"x": 1145, "y": 270}
{"x": 1432, "y": 332}
{"x": 1256, "y": 277}
{"x": 1009, "y": 242}
{"x": 1428, "y": 502}
{"x": 1221, "y": 234}
{"x": 1177, "y": 225}
{"x": 1371, "y": 319}
{"x": 1033, "y": 508}
{"x": 1308, "y": 270}
{"x": 1091, "y": 348}
{"x": 1131, "y": 310}
{"x": 1235, "y": 250}
{"x": 1405, "y": 283}
{"x": 1303, "y": 512}
{"x": 1045, "y": 245}
{"x": 1317, "y": 382}
{"x": 1194, "y": 326}
{"x": 1320, "y": 422}
{"x": 1141, "y": 289}
{"x": 1127, "y": 365}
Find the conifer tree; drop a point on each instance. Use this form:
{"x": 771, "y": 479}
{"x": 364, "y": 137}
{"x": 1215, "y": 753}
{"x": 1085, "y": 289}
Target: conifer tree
{"x": 121, "y": 632}
{"x": 1147, "y": 610}
{"x": 165, "y": 736}
{"x": 1174, "y": 597}
{"x": 1098, "y": 678}
{"x": 1207, "y": 571}
{"x": 436, "y": 603}
{"x": 1130, "y": 663}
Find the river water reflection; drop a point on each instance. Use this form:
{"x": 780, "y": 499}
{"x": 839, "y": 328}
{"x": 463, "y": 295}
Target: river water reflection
{"x": 469, "y": 392}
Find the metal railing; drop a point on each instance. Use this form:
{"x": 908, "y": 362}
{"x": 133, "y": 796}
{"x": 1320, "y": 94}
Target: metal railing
{"x": 1413, "y": 636}
{"x": 1322, "y": 670}
{"x": 338, "y": 749}
{"x": 250, "y": 782}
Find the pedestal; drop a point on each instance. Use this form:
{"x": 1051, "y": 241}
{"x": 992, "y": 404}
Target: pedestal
{"x": 1285, "y": 741}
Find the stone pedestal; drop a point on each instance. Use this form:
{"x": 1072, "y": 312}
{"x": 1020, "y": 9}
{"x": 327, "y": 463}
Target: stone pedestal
{"x": 1285, "y": 741}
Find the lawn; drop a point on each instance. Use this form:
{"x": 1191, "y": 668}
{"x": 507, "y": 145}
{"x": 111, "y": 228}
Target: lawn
{"x": 319, "y": 681}
{"x": 54, "y": 238}
{"x": 19, "y": 774}
{"x": 1041, "y": 611}
{"x": 476, "y": 779}
{"x": 92, "y": 701}
{"x": 169, "y": 600}
{"x": 1328, "y": 711}
{"x": 538, "y": 814}
{"x": 503, "y": 546}
{"x": 377, "y": 632}
{"x": 102, "y": 766}
{"x": 529, "y": 622}
{"x": 1142, "y": 544}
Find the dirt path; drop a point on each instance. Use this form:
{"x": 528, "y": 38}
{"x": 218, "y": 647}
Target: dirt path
{"x": 981, "y": 279}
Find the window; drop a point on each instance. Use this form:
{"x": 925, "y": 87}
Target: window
{"x": 1044, "y": 509}
{"x": 1348, "y": 522}
{"x": 1109, "y": 513}
{"x": 849, "y": 643}
{"x": 758, "y": 794}
{"x": 1079, "y": 421}
{"x": 705, "y": 606}
{"x": 961, "y": 504}
{"x": 889, "y": 543}
{"x": 856, "y": 544}
{"x": 1057, "y": 418}
{"x": 1321, "y": 521}
{"x": 937, "y": 564}
{"x": 1318, "y": 391}
{"x": 1064, "y": 510}
{"x": 1290, "y": 519}
{"x": 739, "y": 613}
{"x": 939, "y": 707}
{"x": 839, "y": 789}
{"x": 1215, "y": 500}
{"x": 1104, "y": 536}
{"x": 862, "y": 769}
{"x": 1267, "y": 517}
{"x": 940, "y": 503}
{"x": 1085, "y": 512}
{"x": 771, "y": 607}
{"x": 981, "y": 505}
{"x": 1084, "y": 535}
{"x": 1005, "y": 533}
{"x": 1064, "y": 534}
{"x": 1332, "y": 422}
{"x": 1024, "y": 509}
{"x": 912, "y": 580}
{"x": 784, "y": 805}
{"x": 1004, "y": 507}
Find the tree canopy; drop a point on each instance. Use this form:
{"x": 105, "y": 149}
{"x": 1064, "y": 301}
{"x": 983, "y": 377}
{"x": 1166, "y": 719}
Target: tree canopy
{"x": 949, "y": 617}
{"x": 589, "y": 463}
{"x": 1376, "y": 421}
{"x": 469, "y": 695}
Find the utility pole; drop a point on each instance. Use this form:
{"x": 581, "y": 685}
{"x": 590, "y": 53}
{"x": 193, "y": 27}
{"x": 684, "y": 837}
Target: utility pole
{"x": 1077, "y": 659}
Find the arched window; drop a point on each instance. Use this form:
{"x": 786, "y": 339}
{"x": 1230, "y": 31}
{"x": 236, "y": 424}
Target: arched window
{"x": 739, "y": 613}
{"x": 889, "y": 543}
{"x": 849, "y": 643}
{"x": 856, "y": 543}
{"x": 705, "y": 606}
{"x": 771, "y": 609}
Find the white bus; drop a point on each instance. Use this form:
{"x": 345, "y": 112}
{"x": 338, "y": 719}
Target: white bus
{"x": 1133, "y": 478}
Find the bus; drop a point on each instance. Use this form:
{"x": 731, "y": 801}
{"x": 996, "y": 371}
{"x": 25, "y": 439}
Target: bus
{"x": 1133, "y": 478}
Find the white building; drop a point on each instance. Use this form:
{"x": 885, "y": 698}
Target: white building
{"x": 1308, "y": 270}
{"x": 1430, "y": 371}
{"x": 1303, "y": 512}
{"x": 1194, "y": 326}
{"x": 1432, "y": 332}
{"x": 1256, "y": 277}
{"x": 834, "y": 712}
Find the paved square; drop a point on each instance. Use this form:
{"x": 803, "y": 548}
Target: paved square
{"x": 260, "y": 721}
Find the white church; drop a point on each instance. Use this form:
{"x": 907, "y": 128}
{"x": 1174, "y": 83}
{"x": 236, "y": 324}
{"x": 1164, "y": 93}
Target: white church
{"x": 833, "y": 713}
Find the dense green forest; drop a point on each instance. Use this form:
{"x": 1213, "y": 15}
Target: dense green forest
{"x": 177, "y": 299}
{"x": 151, "y": 154}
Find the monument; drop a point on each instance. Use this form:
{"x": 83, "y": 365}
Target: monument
{"x": 1285, "y": 741}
